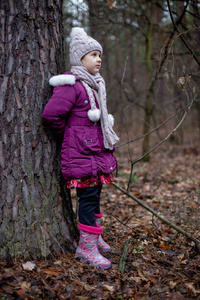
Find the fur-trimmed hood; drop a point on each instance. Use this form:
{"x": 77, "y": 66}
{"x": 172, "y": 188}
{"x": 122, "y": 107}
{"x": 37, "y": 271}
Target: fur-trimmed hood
{"x": 63, "y": 79}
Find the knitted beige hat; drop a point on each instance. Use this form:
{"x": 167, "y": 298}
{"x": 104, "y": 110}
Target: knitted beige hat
{"x": 80, "y": 45}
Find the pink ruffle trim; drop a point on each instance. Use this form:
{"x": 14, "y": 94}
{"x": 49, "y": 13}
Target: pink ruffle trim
{"x": 87, "y": 228}
{"x": 88, "y": 182}
{"x": 100, "y": 215}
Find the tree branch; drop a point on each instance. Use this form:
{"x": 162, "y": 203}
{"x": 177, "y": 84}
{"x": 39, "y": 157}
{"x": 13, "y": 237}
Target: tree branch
{"x": 167, "y": 46}
{"x": 160, "y": 217}
{"x": 181, "y": 35}
{"x": 153, "y": 130}
{"x": 122, "y": 262}
{"x": 166, "y": 138}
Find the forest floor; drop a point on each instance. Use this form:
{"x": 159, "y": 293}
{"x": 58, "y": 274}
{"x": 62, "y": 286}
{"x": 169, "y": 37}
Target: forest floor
{"x": 160, "y": 263}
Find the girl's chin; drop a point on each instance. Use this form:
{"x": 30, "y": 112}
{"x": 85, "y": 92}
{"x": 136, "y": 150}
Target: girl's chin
{"x": 94, "y": 72}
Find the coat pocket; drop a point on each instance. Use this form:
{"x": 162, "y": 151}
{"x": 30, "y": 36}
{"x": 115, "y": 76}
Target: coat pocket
{"x": 89, "y": 141}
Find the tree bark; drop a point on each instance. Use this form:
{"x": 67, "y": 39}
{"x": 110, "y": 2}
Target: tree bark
{"x": 93, "y": 9}
{"x": 36, "y": 216}
{"x": 197, "y": 38}
{"x": 149, "y": 106}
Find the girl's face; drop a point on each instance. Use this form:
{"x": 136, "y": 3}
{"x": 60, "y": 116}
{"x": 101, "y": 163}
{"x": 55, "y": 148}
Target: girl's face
{"x": 92, "y": 61}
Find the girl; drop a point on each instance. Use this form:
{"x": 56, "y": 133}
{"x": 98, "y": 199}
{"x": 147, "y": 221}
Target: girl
{"x": 78, "y": 108}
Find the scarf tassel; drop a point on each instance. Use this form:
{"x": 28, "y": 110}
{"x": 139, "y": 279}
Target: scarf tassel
{"x": 94, "y": 115}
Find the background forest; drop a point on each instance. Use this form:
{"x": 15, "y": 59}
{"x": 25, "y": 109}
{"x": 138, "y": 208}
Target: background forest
{"x": 150, "y": 62}
{"x": 151, "y": 218}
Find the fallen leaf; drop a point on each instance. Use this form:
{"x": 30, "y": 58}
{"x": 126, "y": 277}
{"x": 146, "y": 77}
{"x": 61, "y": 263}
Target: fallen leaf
{"x": 142, "y": 275}
{"x": 25, "y": 285}
{"x": 172, "y": 285}
{"x": 28, "y": 266}
{"x": 181, "y": 256}
{"x": 145, "y": 242}
{"x": 190, "y": 287}
{"x": 136, "y": 264}
{"x": 136, "y": 279}
{"x": 109, "y": 288}
{"x": 164, "y": 245}
{"x": 111, "y": 4}
{"x": 21, "y": 292}
{"x": 184, "y": 262}
{"x": 88, "y": 287}
{"x": 50, "y": 272}
{"x": 58, "y": 262}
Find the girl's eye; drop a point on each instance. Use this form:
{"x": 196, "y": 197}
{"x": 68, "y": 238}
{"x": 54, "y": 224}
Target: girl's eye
{"x": 95, "y": 54}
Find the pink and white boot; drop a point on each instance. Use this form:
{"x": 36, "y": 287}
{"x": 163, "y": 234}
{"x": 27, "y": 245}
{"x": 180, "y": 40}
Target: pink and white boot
{"x": 102, "y": 245}
{"x": 87, "y": 250}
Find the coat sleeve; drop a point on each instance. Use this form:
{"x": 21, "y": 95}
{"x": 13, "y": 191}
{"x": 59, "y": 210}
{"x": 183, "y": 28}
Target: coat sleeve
{"x": 58, "y": 107}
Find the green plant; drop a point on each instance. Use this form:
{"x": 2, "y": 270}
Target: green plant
{"x": 138, "y": 250}
{"x": 173, "y": 180}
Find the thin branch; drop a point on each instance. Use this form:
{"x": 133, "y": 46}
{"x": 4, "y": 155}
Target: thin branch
{"x": 122, "y": 262}
{"x": 172, "y": 225}
{"x": 154, "y": 129}
{"x": 181, "y": 35}
{"x": 121, "y": 89}
{"x": 166, "y": 138}
{"x": 167, "y": 46}
{"x": 124, "y": 224}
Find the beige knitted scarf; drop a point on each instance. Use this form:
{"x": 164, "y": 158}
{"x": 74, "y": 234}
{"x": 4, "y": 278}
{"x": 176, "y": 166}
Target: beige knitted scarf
{"x": 97, "y": 83}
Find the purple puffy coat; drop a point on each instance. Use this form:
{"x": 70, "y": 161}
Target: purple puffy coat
{"x": 83, "y": 153}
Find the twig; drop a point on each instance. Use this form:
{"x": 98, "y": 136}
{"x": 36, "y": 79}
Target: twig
{"x": 121, "y": 94}
{"x": 174, "y": 226}
{"x": 180, "y": 34}
{"x": 122, "y": 262}
{"x": 154, "y": 129}
{"x": 166, "y": 138}
{"x": 129, "y": 151}
{"x": 124, "y": 224}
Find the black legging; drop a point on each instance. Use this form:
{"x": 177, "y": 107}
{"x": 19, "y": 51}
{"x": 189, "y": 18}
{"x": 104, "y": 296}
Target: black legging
{"x": 89, "y": 204}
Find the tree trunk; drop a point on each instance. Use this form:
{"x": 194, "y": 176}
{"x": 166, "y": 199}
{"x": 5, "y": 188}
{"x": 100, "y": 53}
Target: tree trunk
{"x": 93, "y": 9}
{"x": 106, "y": 65}
{"x": 130, "y": 57}
{"x": 197, "y": 40}
{"x": 149, "y": 94}
{"x": 36, "y": 215}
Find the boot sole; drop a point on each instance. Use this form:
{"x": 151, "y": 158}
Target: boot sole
{"x": 104, "y": 250}
{"x": 89, "y": 263}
